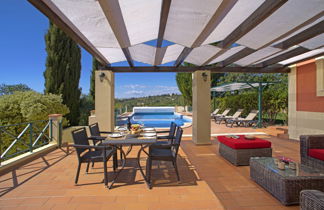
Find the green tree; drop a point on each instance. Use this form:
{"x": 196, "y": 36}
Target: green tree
{"x": 86, "y": 105}
{"x": 20, "y": 108}
{"x": 63, "y": 69}
{"x": 184, "y": 82}
{"x": 10, "y": 89}
{"x": 95, "y": 66}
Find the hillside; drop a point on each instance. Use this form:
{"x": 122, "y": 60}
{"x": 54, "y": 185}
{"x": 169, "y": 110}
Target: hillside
{"x": 160, "y": 100}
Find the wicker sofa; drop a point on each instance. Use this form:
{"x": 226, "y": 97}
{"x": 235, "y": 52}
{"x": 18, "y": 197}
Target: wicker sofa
{"x": 312, "y": 150}
{"x": 311, "y": 200}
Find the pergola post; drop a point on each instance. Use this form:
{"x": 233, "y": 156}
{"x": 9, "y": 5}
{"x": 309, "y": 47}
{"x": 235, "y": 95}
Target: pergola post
{"x": 260, "y": 89}
{"x": 105, "y": 99}
{"x": 201, "y": 107}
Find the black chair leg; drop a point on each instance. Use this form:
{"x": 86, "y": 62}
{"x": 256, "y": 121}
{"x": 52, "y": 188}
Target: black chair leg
{"x": 148, "y": 171}
{"x": 115, "y": 161}
{"x": 88, "y": 164}
{"x": 77, "y": 174}
{"x": 176, "y": 169}
{"x": 105, "y": 173}
{"x": 92, "y": 164}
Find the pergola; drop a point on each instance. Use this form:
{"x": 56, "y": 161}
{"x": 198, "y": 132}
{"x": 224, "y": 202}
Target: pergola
{"x": 260, "y": 36}
{"x": 235, "y": 86}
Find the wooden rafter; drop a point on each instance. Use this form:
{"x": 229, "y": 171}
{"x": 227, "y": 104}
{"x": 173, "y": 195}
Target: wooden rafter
{"x": 284, "y": 56}
{"x": 309, "y": 33}
{"x": 237, "y": 56}
{"x": 190, "y": 69}
{"x": 112, "y": 11}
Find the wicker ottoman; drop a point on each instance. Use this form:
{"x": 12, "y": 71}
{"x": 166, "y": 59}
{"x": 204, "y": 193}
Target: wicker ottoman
{"x": 239, "y": 151}
{"x": 285, "y": 185}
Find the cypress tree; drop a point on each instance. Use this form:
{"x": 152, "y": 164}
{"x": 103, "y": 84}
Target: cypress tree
{"x": 95, "y": 66}
{"x": 63, "y": 68}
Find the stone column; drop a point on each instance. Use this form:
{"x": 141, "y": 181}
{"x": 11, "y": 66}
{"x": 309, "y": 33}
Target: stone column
{"x": 201, "y": 107}
{"x": 105, "y": 100}
{"x": 56, "y": 128}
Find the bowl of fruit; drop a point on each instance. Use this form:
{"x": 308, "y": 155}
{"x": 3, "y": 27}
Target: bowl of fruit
{"x": 135, "y": 129}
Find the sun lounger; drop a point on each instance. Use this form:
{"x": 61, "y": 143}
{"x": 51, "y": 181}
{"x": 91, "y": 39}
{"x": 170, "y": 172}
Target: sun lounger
{"x": 225, "y": 113}
{"x": 225, "y": 118}
{"x": 214, "y": 112}
{"x": 248, "y": 121}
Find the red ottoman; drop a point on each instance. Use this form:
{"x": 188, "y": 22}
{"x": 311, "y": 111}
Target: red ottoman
{"x": 238, "y": 151}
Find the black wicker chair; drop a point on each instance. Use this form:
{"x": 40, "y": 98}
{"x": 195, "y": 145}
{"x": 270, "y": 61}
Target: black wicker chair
{"x": 308, "y": 142}
{"x": 311, "y": 200}
{"x": 87, "y": 153}
{"x": 164, "y": 153}
{"x": 168, "y": 139}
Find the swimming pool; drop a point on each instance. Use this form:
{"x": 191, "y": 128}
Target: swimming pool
{"x": 159, "y": 117}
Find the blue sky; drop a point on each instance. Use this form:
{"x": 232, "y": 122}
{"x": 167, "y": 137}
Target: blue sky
{"x": 23, "y": 56}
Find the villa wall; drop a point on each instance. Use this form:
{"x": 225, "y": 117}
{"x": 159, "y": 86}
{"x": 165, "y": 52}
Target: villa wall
{"x": 306, "y": 98}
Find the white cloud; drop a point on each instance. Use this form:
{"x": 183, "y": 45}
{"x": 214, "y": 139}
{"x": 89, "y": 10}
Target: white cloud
{"x": 134, "y": 86}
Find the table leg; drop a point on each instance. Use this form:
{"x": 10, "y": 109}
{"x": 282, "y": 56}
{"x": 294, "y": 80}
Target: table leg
{"x": 122, "y": 166}
{"x": 139, "y": 165}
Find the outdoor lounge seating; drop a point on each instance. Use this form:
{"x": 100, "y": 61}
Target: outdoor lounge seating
{"x": 247, "y": 121}
{"x": 311, "y": 200}
{"x": 162, "y": 153}
{"x": 225, "y": 113}
{"x": 224, "y": 118}
{"x": 239, "y": 150}
{"x": 214, "y": 112}
{"x": 312, "y": 150}
{"x": 87, "y": 153}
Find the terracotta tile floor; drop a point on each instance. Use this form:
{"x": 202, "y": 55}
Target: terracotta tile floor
{"x": 207, "y": 182}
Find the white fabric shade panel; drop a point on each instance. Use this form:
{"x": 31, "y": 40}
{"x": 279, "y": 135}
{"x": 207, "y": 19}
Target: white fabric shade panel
{"x": 227, "y": 54}
{"x": 290, "y": 15}
{"x": 172, "y": 52}
{"x": 142, "y": 19}
{"x": 303, "y": 56}
{"x": 187, "y": 18}
{"x": 186, "y": 21}
{"x": 201, "y": 54}
{"x": 232, "y": 20}
{"x": 89, "y": 18}
{"x": 258, "y": 55}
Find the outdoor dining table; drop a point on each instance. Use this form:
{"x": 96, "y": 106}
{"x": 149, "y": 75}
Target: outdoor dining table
{"x": 130, "y": 140}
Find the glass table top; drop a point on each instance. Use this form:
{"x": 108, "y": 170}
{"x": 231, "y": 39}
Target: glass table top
{"x": 300, "y": 171}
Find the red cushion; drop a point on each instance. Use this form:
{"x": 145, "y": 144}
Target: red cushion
{"x": 242, "y": 143}
{"x": 316, "y": 153}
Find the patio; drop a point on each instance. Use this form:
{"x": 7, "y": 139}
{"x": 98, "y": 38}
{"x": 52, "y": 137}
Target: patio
{"x": 207, "y": 181}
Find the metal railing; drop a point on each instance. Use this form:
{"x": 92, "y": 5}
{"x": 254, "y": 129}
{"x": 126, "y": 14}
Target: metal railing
{"x": 20, "y": 138}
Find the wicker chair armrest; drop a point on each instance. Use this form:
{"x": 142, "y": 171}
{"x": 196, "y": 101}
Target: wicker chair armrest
{"x": 164, "y": 137}
{"x": 163, "y": 131}
{"x": 310, "y": 142}
{"x": 106, "y": 132}
{"x": 89, "y": 147}
{"x": 311, "y": 199}
{"x": 97, "y": 138}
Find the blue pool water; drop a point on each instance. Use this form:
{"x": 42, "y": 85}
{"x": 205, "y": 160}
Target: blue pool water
{"x": 159, "y": 120}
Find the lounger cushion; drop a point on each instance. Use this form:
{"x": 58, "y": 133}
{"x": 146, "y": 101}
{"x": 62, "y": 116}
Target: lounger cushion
{"x": 243, "y": 143}
{"x": 316, "y": 153}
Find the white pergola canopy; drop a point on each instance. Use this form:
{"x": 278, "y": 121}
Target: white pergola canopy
{"x": 240, "y": 33}
{"x": 237, "y": 86}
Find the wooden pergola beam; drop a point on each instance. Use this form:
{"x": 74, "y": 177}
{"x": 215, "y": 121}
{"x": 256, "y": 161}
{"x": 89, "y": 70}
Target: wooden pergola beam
{"x": 190, "y": 69}
{"x": 113, "y": 13}
{"x": 309, "y": 33}
{"x": 264, "y": 11}
{"x": 214, "y": 21}
{"x": 165, "y": 8}
{"x": 59, "y": 19}
{"x": 284, "y": 56}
